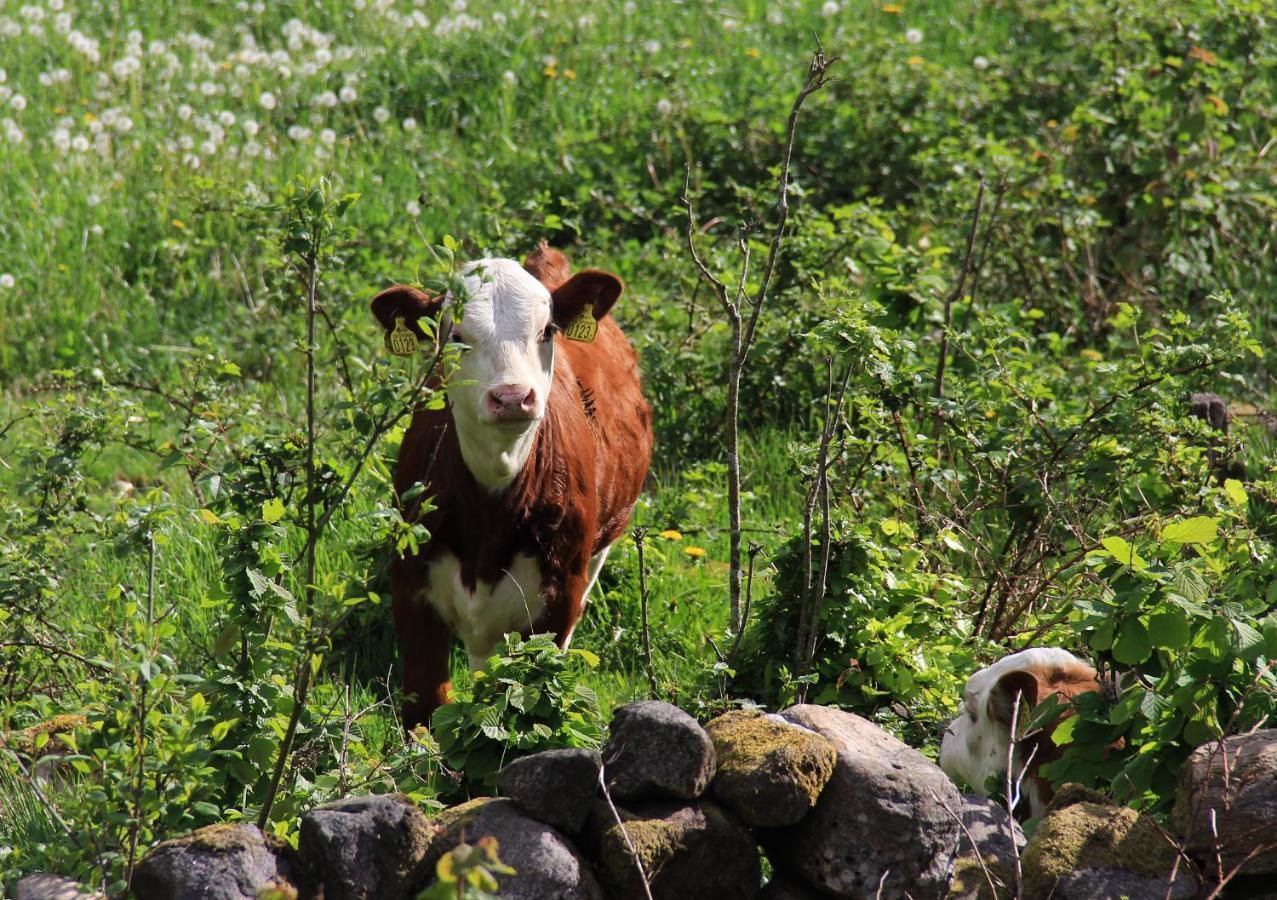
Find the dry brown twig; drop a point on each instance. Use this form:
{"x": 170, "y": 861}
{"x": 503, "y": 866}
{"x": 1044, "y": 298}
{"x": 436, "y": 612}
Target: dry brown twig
{"x": 625, "y": 835}
{"x": 743, "y": 311}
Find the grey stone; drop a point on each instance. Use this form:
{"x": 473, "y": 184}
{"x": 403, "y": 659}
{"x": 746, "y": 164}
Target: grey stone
{"x": 985, "y": 866}
{"x": 885, "y": 823}
{"x": 218, "y": 862}
{"x": 1111, "y": 884}
{"x": 556, "y": 787}
{"x": 984, "y": 832}
{"x": 656, "y": 750}
{"x": 1234, "y": 783}
{"x": 52, "y": 887}
{"x": 687, "y": 850}
{"x": 367, "y": 848}
{"x": 770, "y": 774}
{"x": 546, "y": 862}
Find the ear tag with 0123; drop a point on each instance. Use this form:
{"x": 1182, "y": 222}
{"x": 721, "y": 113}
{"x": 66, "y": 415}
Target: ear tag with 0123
{"x": 583, "y": 328}
{"x": 400, "y": 340}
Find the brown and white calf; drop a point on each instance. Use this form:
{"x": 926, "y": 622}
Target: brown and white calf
{"x": 976, "y": 742}
{"x": 532, "y": 467}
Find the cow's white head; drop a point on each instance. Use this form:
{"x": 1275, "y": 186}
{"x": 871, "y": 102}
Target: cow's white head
{"x": 507, "y": 325}
{"x": 976, "y": 742}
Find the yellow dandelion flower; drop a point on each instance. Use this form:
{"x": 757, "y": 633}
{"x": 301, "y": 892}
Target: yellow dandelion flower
{"x": 916, "y": 60}
{"x": 686, "y": 43}
{"x": 753, "y": 53}
{"x": 671, "y": 535}
{"x": 1092, "y": 355}
{"x": 1051, "y": 123}
{"x": 694, "y": 552}
{"x": 892, "y": 9}
{"x": 550, "y": 71}
{"x": 178, "y": 223}
{"x": 569, "y": 74}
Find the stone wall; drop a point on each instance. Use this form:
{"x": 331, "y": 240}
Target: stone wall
{"x": 838, "y": 807}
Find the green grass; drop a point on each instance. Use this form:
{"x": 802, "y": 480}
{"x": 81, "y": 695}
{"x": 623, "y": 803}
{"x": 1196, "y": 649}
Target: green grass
{"x": 131, "y": 261}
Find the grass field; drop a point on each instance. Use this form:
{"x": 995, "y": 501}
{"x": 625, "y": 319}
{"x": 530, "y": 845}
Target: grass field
{"x": 152, "y": 340}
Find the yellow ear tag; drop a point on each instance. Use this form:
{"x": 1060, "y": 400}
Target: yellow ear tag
{"x": 400, "y": 341}
{"x": 583, "y": 328}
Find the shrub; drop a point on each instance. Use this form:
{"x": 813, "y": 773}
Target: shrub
{"x": 528, "y": 698}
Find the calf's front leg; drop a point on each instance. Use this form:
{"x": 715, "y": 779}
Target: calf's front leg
{"x": 425, "y": 645}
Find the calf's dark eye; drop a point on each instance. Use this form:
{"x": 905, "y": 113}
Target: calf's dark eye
{"x": 548, "y": 334}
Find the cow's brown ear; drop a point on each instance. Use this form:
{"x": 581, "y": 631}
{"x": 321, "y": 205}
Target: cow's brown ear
{"x": 548, "y": 266}
{"x": 406, "y": 302}
{"x": 591, "y": 288}
{"x": 1019, "y": 686}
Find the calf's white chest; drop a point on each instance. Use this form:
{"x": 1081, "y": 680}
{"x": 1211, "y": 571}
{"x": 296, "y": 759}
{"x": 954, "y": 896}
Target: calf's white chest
{"x": 480, "y": 617}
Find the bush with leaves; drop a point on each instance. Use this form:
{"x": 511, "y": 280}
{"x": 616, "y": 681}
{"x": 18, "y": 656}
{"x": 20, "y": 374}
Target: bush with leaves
{"x": 1182, "y": 616}
{"x": 528, "y": 698}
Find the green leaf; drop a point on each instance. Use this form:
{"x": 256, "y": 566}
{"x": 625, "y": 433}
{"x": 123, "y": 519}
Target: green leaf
{"x": 1235, "y": 491}
{"x": 272, "y": 510}
{"x": 1189, "y": 584}
{"x": 1132, "y": 646}
{"x": 226, "y": 639}
{"x": 1197, "y": 530}
{"x": 591, "y": 659}
{"x": 1123, "y": 552}
{"x": 1168, "y": 628}
{"x": 1063, "y": 733}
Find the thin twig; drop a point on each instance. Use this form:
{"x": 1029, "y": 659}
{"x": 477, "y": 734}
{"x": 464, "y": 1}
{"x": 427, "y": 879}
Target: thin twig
{"x": 640, "y": 534}
{"x": 988, "y": 876}
{"x": 625, "y": 835}
{"x": 1013, "y": 792}
{"x": 956, "y": 294}
{"x": 742, "y": 333}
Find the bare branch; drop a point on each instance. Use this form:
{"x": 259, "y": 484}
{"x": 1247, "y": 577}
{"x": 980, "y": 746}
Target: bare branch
{"x": 616, "y": 816}
{"x": 817, "y": 78}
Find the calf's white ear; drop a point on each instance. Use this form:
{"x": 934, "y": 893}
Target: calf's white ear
{"x": 589, "y": 289}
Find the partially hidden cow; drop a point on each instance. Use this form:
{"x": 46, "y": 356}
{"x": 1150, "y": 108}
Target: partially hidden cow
{"x": 976, "y": 742}
{"x": 531, "y": 468}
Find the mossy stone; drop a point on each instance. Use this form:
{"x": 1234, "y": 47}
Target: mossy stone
{"x": 770, "y": 773}
{"x": 686, "y": 849}
{"x": 1096, "y": 837}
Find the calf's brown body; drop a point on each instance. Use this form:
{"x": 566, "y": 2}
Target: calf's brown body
{"x": 571, "y": 500}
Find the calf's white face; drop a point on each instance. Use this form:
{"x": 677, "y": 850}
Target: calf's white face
{"x": 499, "y": 392}
{"x": 975, "y": 743}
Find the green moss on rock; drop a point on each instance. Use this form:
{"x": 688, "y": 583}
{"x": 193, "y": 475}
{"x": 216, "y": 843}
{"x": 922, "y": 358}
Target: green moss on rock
{"x": 1093, "y": 836}
{"x": 222, "y": 838}
{"x": 769, "y": 773}
{"x": 1072, "y": 794}
{"x": 461, "y": 815}
{"x": 971, "y": 883}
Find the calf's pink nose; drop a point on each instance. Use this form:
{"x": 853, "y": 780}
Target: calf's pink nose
{"x": 511, "y": 401}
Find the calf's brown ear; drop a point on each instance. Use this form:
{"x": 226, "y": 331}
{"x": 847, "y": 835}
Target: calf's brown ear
{"x": 1013, "y": 687}
{"x": 591, "y": 288}
{"x": 406, "y": 302}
